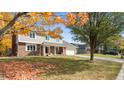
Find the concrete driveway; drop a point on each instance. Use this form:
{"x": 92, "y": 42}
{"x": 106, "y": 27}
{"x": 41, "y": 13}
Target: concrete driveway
{"x": 102, "y": 58}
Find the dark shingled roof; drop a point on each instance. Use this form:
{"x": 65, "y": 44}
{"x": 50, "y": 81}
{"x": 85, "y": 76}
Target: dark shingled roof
{"x": 69, "y": 44}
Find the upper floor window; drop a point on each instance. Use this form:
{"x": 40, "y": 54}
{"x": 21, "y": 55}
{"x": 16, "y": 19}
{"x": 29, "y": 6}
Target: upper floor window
{"x": 32, "y": 35}
{"x": 57, "y": 40}
{"x": 47, "y": 37}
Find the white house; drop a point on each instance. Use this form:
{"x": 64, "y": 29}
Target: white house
{"x": 34, "y": 44}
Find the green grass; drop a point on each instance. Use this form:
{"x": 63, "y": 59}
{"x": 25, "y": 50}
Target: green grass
{"x": 74, "y": 68}
{"x": 102, "y": 55}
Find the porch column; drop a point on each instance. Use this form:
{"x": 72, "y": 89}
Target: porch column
{"x": 64, "y": 51}
{"x": 39, "y": 48}
{"x": 58, "y": 50}
{"x": 44, "y": 50}
{"x": 54, "y": 50}
{"x": 48, "y": 50}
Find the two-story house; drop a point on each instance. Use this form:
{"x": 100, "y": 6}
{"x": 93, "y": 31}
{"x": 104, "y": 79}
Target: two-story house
{"x": 34, "y": 44}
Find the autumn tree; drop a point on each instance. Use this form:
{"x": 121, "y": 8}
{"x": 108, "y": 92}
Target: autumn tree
{"x": 5, "y": 41}
{"x": 121, "y": 47}
{"x": 25, "y": 22}
{"x": 99, "y": 27}
{"x": 5, "y": 45}
{"x": 112, "y": 43}
{"x": 118, "y": 42}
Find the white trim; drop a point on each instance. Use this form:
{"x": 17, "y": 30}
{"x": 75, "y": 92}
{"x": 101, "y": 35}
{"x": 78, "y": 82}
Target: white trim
{"x": 30, "y": 44}
{"x": 35, "y": 35}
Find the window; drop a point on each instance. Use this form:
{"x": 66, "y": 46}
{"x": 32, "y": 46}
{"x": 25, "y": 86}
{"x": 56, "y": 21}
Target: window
{"x": 57, "y": 40}
{"x": 30, "y": 47}
{"x": 32, "y": 34}
{"x": 47, "y": 37}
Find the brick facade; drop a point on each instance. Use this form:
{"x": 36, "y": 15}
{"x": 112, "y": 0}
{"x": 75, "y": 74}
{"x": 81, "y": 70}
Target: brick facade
{"x": 21, "y": 50}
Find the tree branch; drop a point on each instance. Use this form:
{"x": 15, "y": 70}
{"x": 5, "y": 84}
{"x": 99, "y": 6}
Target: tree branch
{"x": 11, "y": 23}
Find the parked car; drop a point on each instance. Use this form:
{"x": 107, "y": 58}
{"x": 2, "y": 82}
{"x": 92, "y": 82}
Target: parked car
{"x": 122, "y": 54}
{"x": 111, "y": 52}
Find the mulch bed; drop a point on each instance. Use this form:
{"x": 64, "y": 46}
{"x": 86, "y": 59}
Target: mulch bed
{"x": 24, "y": 70}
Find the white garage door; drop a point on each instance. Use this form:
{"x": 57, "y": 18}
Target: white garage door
{"x": 70, "y": 52}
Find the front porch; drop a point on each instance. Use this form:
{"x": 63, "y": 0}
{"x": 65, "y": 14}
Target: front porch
{"x": 49, "y": 49}
{"x": 53, "y": 50}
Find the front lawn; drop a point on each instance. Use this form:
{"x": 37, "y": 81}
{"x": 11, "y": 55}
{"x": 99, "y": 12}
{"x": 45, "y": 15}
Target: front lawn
{"x": 63, "y": 68}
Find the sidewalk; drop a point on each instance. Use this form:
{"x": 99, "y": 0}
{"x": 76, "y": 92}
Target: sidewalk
{"x": 121, "y": 74}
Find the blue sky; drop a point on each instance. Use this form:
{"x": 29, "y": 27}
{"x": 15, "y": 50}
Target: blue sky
{"x": 67, "y": 36}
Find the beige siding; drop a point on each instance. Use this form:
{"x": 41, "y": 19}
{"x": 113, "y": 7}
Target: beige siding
{"x": 37, "y": 40}
{"x": 52, "y": 40}
{"x": 27, "y": 39}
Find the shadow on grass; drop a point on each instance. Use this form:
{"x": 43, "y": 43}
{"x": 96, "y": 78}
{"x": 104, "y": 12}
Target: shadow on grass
{"x": 70, "y": 67}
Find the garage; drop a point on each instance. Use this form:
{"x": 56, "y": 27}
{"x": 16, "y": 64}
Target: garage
{"x": 70, "y": 52}
{"x": 70, "y": 49}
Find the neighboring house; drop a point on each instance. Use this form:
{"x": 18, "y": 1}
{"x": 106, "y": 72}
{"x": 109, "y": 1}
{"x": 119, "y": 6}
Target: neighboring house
{"x": 99, "y": 49}
{"x": 34, "y": 44}
{"x": 81, "y": 48}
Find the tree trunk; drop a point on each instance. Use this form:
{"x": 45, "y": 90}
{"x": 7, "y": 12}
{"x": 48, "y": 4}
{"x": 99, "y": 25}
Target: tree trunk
{"x": 121, "y": 53}
{"x": 91, "y": 53}
{"x": 105, "y": 48}
{"x": 14, "y": 45}
{"x": 92, "y": 48}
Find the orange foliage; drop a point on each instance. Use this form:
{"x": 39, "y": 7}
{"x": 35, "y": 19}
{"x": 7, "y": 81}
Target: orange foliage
{"x": 24, "y": 70}
{"x": 33, "y": 13}
{"x": 80, "y": 18}
{"x": 5, "y": 17}
{"x": 58, "y": 19}
{"x": 83, "y": 18}
{"x": 50, "y": 33}
{"x": 27, "y": 23}
{"x": 56, "y": 33}
{"x": 71, "y": 18}
{"x": 5, "y": 43}
{"x": 47, "y": 14}
{"x": 53, "y": 34}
